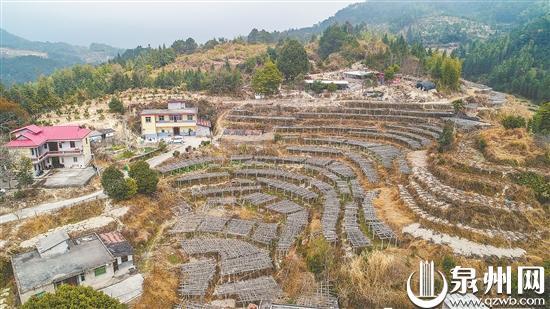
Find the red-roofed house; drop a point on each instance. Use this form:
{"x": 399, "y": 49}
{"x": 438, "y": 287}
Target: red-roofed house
{"x": 52, "y": 147}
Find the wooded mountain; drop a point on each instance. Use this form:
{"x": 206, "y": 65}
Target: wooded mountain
{"x": 24, "y": 60}
{"x": 517, "y": 62}
{"x": 455, "y": 21}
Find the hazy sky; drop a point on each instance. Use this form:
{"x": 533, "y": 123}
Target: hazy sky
{"x": 124, "y": 23}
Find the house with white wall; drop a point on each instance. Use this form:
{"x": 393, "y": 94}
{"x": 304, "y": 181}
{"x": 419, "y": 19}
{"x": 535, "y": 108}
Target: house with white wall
{"x": 52, "y": 146}
{"x": 58, "y": 259}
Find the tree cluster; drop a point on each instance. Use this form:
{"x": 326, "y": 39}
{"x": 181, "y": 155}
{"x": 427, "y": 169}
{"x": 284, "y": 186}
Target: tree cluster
{"x": 515, "y": 62}
{"x": 336, "y": 38}
{"x": 68, "y": 296}
{"x": 142, "y": 180}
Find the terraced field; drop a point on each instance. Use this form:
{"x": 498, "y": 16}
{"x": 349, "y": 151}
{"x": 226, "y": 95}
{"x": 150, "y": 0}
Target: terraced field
{"x": 321, "y": 176}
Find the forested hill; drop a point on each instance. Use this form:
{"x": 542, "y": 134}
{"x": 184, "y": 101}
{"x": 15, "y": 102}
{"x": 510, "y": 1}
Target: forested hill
{"x": 517, "y": 62}
{"x": 430, "y": 21}
{"x": 24, "y": 60}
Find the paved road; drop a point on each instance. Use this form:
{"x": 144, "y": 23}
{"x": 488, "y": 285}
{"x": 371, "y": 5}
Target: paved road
{"x": 50, "y": 207}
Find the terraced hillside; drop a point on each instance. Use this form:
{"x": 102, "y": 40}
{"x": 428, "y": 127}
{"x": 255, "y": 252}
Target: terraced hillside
{"x": 356, "y": 176}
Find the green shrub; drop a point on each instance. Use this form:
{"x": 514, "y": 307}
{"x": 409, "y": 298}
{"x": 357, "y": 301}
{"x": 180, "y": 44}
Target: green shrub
{"x": 447, "y": 137}
{"x": 146, "y": 178}
{"x": 538, "y": 183}
{"x": 513, "y": 122}
{"x": 541, "y": 120}
{"x": 319, "y": 256}
{"x": 176, "y": 154}
{"x": 20, "y": 194}
{"x": 481, "y": 143}
{"x": 68, "y": 296}
{"x": 114, "y": 184}
{"x": 332, "y": 87}
{"x": 116, "y": 106}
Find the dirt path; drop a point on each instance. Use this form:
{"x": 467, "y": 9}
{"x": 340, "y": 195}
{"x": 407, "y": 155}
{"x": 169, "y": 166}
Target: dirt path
{"x": 147, "y": 254}
{"x": 418, "y": 158}
{"x": 390, "y": 210}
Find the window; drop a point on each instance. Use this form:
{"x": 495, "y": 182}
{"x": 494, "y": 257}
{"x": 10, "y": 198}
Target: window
{"x": 82, "y": 277}
{"x": 86, "y": 141}
{"x": 62, "y": 160}
{"x": 189, "y": 117}
{"x": 32, "y": 151}
{"x": 45, "y": 146}
{"x": 60, "y": 145}
{"x": 75, "y": 159}
{"x": 161, "y": 118}
{"x": 124, "y": 258}
{"x": 147, "y": 119}
{"x": 100, "y": 270}
{"x": 72, "y": 144}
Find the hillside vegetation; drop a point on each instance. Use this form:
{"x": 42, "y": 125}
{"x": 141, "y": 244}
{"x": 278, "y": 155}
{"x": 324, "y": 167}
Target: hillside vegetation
{"x": 20, "y": 69}
{"x": 517, "y": 62}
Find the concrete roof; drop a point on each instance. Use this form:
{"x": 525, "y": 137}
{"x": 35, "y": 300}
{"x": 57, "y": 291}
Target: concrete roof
{"x": 85, "y": 253}
{"x": 192, "y": 110}
{"x": 336, "y": 82}
{"x": 51, "y": 240}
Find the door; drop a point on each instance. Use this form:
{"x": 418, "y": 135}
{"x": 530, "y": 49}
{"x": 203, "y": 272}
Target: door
{"x": 115, "y": 265}
{"x": 176, "y": 131}
{"x": 55, "y": 162}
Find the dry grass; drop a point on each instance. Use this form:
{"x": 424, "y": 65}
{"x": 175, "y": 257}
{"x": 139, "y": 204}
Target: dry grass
{"x": 374, "y": 280}
{"x": 42, "y": 224}
{"x": 159, "y": 287}
{"x": 294, "y": 277}
{"x": 146, "y": 214}
{"x": 235, "y": 53}
{"x": 510, "y": 146}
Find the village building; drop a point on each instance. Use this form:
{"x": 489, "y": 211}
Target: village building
{"x": 176, "y": 120}
{"x": 102, "y": 135}
{"x": 92, "y": 260}
{"x": 52, "y": 146}
{"x": 358, "y": 74}
{"x": 340, "y": 84}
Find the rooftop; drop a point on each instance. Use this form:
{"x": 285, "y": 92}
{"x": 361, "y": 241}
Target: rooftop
{"x": 33, "y": 135}
{"x": 190, "y": 110}
{"x": 336, "y": 82}
{"x": 53, "y": 239}
{"x": 32, "y": 271}
{"x": 116, "y": 243}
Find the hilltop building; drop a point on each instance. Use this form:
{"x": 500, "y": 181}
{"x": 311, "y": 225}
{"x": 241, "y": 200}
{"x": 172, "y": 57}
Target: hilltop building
{"x": 176, "y": 120}
{"x": 52, "y": 146}
{"x": 92, "y": 260}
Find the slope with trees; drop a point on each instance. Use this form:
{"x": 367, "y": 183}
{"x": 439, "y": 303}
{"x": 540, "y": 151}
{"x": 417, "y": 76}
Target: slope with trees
{"x": 517, "y": 62}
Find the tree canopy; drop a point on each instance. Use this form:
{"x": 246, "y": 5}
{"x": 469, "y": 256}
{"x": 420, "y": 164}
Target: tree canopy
{"x": 334, "y": 38}
{"x": 145, "y": 178}
{"x": 114, "y": 184}
{"x": 266, "y": 80}
{"x": 68, "y": 296}
{"x": 292, "y": 59}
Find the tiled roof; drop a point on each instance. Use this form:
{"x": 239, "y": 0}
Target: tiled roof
{"x": 33, "y": 135}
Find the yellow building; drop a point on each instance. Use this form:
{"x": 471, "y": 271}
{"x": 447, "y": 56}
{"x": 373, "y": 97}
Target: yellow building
{"x": 177, "y": 120}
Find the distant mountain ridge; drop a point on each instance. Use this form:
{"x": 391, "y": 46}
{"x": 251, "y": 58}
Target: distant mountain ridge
{"x": 399, "y": 16}
{"x": 25, "y": 68}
